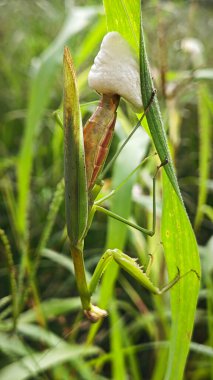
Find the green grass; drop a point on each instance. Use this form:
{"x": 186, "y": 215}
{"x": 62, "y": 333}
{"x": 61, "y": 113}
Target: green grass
{"x": 43, "y": 333}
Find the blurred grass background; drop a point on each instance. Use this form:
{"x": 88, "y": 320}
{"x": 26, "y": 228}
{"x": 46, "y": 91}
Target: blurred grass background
{"x": 47, "y": 341}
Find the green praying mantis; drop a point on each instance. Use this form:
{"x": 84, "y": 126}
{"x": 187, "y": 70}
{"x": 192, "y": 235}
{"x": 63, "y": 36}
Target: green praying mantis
{"x": 85, "y": 153}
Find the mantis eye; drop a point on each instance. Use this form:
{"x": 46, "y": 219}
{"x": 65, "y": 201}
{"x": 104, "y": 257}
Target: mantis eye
{"x": 116, "y": 70}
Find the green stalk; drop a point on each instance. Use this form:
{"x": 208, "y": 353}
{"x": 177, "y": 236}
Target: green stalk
{"x": 23, "y": 293}
{"x": 11, "y": 272}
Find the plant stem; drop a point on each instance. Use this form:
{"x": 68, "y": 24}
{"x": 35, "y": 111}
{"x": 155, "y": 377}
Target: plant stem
{"x": 11, "y": 272}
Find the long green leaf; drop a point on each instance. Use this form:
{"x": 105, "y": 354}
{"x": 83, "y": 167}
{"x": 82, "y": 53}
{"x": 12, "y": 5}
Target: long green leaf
{"x": 30, "y": 366}
{"x": 52, "y": 308}
{"x": 124, "y": 17}
{"x": 43, "y": 336}
{"x": 118, "y": 360}
{"x": 205, "y": 145}
{"x": 154, "y": 118}
{"x": 177, "y": 235}
{"x": 11, "y": 345}
{"x": 180, "y": 251}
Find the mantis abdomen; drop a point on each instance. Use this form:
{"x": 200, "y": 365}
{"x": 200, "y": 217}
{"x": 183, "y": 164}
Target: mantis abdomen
{"x": 98, "y": 133}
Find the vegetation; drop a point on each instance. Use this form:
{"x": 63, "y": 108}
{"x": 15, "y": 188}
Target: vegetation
{"x": 43, "y": 332}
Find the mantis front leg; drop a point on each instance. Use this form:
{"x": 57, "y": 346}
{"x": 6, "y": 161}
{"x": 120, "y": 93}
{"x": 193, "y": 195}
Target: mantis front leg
{"x": 131, "y": 266}
{"x": 127, "y": 263}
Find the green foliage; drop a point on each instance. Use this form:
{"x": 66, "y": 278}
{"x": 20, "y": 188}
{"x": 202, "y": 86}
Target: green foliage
{"x": 177, "y": 236}
{"x": 205, "y": 133}
{"x": 43, "y": 333}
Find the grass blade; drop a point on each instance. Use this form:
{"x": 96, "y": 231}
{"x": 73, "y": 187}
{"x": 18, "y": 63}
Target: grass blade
{"x": 154, "y": 118}
{"x": 11, "y": 270}
{"x": 179, "y": 241}
{"x": 177, "y": 235}
{"x": 31, "y": 365}
{"x": 180, "y": 251}
{"x": 51, "y": 309}
{"x": 118, "y": 360}
{"x": 205, "y": 142}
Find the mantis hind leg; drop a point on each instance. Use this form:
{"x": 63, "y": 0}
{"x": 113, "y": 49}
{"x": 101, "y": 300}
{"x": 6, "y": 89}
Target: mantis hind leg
{"x": 127, "y": 263}
{"x": 177, "y": 278}
{"x": 148, "y": 269}
{"x": 126, "y": 221}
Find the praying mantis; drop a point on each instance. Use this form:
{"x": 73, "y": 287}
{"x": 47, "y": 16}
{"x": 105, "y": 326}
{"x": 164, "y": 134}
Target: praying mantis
{"x": 85, "y": 153}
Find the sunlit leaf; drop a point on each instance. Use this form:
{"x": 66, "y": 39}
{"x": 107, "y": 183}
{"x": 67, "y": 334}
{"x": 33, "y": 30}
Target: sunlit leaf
{"x": 205, "y": 148}
{"x": 178, "y": 238}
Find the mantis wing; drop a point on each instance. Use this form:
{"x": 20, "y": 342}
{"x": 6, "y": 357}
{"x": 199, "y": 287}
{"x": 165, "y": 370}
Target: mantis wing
{"x": 76, "y": 199}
